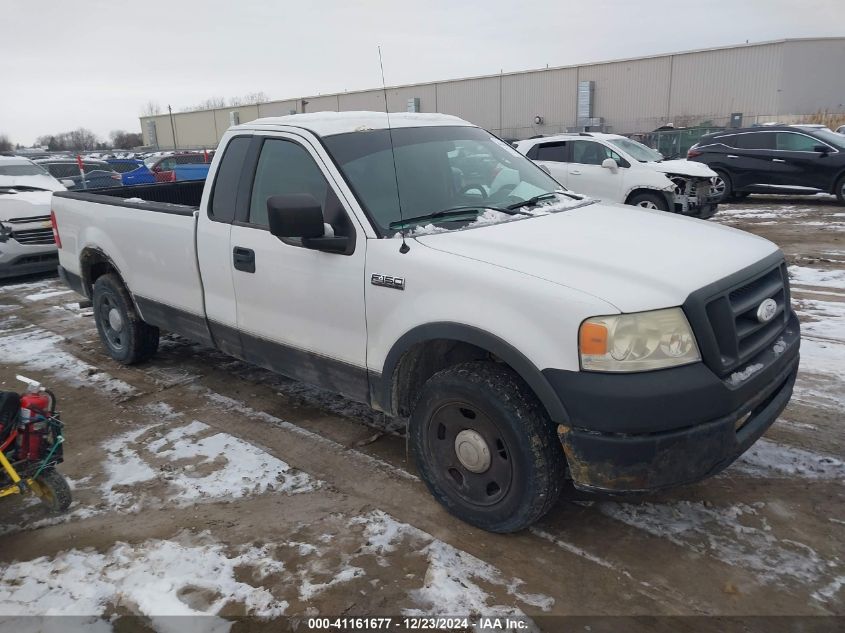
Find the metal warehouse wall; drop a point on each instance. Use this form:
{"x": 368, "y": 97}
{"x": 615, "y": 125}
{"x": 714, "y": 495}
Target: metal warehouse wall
{"x": 766, "y": 81}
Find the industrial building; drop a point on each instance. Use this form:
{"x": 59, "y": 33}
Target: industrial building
{"x": 784, "y": 80}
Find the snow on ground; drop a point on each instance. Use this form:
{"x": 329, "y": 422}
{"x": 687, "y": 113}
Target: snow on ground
{"x": 807, "y": 276}
{"x": 778, "y": 461}
{"x": 198, "y": 575}
{"x": 196, "y": 465}
{"x": 737, "y": 535}
{"x": 823, "y": 319}
{"x": 39, "y": 350}
{"x": 185, "y": 576}
{"x": 455, "y": 581}
{"x": 47, "y": 294}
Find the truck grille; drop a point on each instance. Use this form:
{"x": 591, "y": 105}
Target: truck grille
{"x": 34, "y": 236}
{"x": 732, "y": 317}
{"x": 29, "y": 220}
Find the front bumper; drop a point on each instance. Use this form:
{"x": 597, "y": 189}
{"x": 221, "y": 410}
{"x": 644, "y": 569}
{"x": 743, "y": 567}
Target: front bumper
{"x": 22, "y": 259}
{"x": 660, "y": 429}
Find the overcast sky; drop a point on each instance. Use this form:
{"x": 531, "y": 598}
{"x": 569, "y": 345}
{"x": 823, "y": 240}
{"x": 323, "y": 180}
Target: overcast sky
{"x": 95, "y": 63}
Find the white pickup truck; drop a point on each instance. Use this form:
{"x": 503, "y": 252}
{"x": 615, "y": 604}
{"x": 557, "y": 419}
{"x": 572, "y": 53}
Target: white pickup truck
{"x": 430, "y": 270}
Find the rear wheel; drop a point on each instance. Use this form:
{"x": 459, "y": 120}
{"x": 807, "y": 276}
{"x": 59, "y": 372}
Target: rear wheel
{"x": 125, "y": 336}
{"x": 485, "y": 447}
{"x": 840, "y": 189}
{"x": 53, "y": 490}
{"x": 648, "y": 200}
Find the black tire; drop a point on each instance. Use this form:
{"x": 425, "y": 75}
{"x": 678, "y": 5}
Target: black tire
{"x": 125, "y": 336}
{"x": 649, "y": 200}
{"x": 706, "y": 212}
{"x": 840, "y": 189}
{"x": 53, "y": 490}
{"x": 525, "y": 463}
{"x": 739, "y": 195}
{"x": 722, "y": 186}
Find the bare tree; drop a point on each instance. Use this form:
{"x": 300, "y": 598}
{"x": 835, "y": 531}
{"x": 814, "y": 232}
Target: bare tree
{"x": 255, "y": 97}
{"x": 75, "y": 140}
{"x": 211, "y": 104}
{"x": 121, "y": 139}
{"x": 5, "y": 144}
{"x": 151, "y": 108}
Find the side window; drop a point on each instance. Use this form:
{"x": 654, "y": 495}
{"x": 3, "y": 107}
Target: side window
{"x": 532, "y": 152}
{"x": 592, "y": 153}
{"x": 554, "y": 152}
{"x": 728, "y": 139}
{"x": 792, "y": 142}
{"x": 228, "y": 176}
{"x": 756, "y": 140}
{"x": 284, "y": 167}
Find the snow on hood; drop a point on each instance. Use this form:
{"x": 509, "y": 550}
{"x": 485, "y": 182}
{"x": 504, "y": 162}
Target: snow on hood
{"x": 41, "y": 181}
{"x": 633, "y": 258}
{"x": 684, "y": 168}
{"x": 24, "y": 204}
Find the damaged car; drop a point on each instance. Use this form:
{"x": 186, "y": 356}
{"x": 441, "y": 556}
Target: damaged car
{"x": 615, "y": 168}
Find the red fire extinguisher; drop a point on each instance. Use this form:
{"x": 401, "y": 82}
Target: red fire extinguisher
{"x": 36, "y": 405}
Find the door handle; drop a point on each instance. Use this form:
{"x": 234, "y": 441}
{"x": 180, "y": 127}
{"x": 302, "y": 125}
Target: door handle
{"x": 732, "y": 156}
{"x": 575, "y": 172}
{"x": 778, "y": 160}
{"x": 244, "y": 259}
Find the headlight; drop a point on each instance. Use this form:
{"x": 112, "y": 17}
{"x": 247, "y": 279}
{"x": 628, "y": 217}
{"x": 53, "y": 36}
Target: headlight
{"x": 637, "y": 342}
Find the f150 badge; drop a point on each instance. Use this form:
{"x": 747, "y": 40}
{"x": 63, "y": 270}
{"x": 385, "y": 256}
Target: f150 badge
{"x": 766, "y": 310}
{"x": 397, "y": 283}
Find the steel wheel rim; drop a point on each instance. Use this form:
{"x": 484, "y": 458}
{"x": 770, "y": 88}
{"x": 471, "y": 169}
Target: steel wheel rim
{"x": 115, "y": 337}
{"x": 476, "y": 488}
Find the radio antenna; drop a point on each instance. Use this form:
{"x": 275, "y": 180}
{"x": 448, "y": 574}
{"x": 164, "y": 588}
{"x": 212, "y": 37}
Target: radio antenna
{"x": 404, "y": 248}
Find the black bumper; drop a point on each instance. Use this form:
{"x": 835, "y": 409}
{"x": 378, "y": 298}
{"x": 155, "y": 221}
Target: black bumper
{"x": 653, "y": 430}
{"x": 72, "y": 281}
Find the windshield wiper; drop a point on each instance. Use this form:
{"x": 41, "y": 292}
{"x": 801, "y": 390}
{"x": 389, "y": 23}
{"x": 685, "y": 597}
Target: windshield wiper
{"x": 544, "y": 196}
{"x": 468, "y": 211}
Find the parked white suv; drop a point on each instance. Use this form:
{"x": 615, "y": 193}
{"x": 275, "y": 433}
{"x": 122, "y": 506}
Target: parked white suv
{"x": 26, "y": 233}
{"x": 614, "y": 168}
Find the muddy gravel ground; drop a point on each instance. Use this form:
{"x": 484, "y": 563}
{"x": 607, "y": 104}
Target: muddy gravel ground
{"x": 203, "y": 485}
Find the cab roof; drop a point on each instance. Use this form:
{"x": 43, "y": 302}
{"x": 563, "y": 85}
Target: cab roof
{"x": 330, "y": 123}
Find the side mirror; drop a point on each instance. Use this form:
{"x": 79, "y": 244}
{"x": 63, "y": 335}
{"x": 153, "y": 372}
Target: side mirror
{"x": 823, "y": 149}
{"x": 299, "y": 215}
{"x": 67, "y": 182}
{"x": 609, "y": 163}
{"x": 545, "y": 169}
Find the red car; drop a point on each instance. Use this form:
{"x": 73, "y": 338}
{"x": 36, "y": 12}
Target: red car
{"x": 162, "y": 166}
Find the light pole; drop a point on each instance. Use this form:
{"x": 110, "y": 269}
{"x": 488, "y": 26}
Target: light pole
{"x": 172, "y": 126}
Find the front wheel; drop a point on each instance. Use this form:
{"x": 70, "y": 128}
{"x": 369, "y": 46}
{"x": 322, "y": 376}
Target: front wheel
{"x": 840, "y": 190}
{"x": 485, "y": 447}
{"x": 53, "y": 490}
{"x": 720, "y": 185}
{"x": 647, "y": 200}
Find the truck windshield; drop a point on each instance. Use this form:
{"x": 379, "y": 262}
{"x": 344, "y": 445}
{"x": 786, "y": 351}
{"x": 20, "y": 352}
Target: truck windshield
{"x": 437, "y": 168}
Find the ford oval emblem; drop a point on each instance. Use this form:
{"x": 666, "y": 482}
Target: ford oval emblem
{"x": 766, "y": 310}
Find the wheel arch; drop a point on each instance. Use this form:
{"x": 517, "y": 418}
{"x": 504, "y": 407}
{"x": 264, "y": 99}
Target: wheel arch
{"x": 426, "y": 349}
{"x": 93, "y": 264}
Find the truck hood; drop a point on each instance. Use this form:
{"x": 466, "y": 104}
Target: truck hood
{"x": 684, "y": 168}
{"x": 25, "y": 204}
{"x": 632, "y": 258}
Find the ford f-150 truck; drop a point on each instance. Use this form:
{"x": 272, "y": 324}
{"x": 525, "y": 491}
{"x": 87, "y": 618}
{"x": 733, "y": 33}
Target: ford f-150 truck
{"x": 528, "y": 334}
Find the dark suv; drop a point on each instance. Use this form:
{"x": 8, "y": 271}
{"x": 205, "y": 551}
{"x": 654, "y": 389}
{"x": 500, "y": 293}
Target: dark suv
{"x": 787, "y": 159}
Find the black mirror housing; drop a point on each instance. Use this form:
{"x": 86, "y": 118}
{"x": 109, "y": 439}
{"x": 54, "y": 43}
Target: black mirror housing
{"x": 824, "y": 149}
{"x": 295, "y": 215}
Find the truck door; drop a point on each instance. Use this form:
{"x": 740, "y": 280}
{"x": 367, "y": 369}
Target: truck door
{"x": 300, "y": 311}
{"x": 214, "y": 227}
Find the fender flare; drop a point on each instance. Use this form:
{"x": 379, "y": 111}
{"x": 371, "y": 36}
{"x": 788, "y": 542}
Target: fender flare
{"x": 383, "y": 386}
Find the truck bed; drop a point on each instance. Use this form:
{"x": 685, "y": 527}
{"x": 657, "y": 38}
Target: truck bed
{"x": 171, "y": 197}
{"x": 147, "y": 232}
